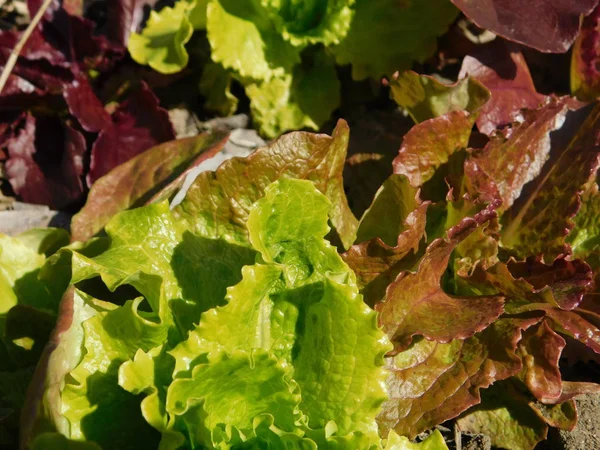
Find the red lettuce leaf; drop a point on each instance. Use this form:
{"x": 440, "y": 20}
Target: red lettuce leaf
{"x": 540, "y": 349}
{"x": 508, "y": 162}
{"x": 415, "y": 304}
{"x": 126, "y": 17}
{"x": 430, "y": 382}
{"x": 84, "y": 105}
{"x": 45, "y": 163}
{"x": 502, "y": 69}
{"x": 398, "y": 211}
{"x": 138, "y": 124}
{"x": 546, "y": 25}
{"x": 135, "y": 182}
{"x": 539, "y": 221}
{"x": 585, "y": 59}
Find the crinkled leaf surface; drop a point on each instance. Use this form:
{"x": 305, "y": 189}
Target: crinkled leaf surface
{"x": 508, "y": 162}
{"x": 218, "y": 203}
{"x": 304, "y": 23}
{"x": 584, "y": 238}
{"x": 304, "y": 98}
{"x": 415, "y": 303}
{"x": 502, "y": 69}
{"x": 161, "y": 44}
{"x": 540, "y": 220}
{"x": 140, "y": 178}
{"x": 411, "y": 26}
{"x": 235, "y": 389}
{"x": 303, "y": 307}
{"x": 430, "y": 382}
{"x": 146, "y": 243}
{"x": 547, "y": 25}
{"x": 93, "y": 402}
{"x": 244, "y": 38}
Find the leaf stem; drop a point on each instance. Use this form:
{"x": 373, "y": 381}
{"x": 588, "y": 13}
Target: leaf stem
{"x": 14, "y": 54}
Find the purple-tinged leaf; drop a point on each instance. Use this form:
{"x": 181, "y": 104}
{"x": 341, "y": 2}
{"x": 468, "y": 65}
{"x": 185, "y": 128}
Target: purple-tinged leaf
{"x": 430, "y": 382}
{"x": 134, "y": 182}
{"x": 85, "y": 106}
{"x": 585, "y": 59}
{"x": 45, "y": 163}
{"x": 415, "y": 304}
{"x": 444, "y": 114}
{"x": 138, "y": 124}
{"x": 508, "y": 162}
{"x": 430, "y": 144}
{"x": 126, "y": 17}
{"x": 546, "y": 25}
{"x": 539, "y": 221}
{"x": 567, "y": 281}
{"x": 502, "y": 69}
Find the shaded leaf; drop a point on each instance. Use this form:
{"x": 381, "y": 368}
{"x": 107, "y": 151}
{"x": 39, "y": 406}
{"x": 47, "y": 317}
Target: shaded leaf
{"x": 125, "y": 17}
{"x": 412, "y": 26}
{"x": 139, "y": 179}
{"x": 505, "y": 416}
{"x": 377, "y": 264}
{"x": 215, "y": 85}
{"x": 540, "y": 349}
{"x": 585, "y": 77}
{"x": 305, "y": 98}
{"x": 425, "y": 98}
{"x": 46, "y": 163}
{"x": 540, "y": 220}
{"x": 546, "y": 25}
{"x": 138, "y": 124}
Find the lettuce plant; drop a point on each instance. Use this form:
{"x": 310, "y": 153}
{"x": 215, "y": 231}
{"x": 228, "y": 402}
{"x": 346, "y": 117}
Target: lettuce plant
{"x": 260, "y": 313}
{"x": 284, "y": 53}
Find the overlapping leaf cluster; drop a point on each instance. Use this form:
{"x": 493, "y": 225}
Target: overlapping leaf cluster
{"x": 494, "y": 304}
{"x": 59, "y": 132}
{"x": 260, "y": 313}
{"x": 284, "y": 52}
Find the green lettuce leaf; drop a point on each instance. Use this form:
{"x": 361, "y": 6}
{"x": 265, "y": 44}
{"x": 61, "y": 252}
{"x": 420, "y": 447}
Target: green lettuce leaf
{"x": 288, "y": 307}
{"x": 304, "y": 98}
{"x": 311, "y": 22}
{"x": 215, "y": 85}
{"x": 405, "y": 32}
{"x": 244, "y": 39}
{"x": 161, "y": 45}
{"x": 218, "y": 203}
